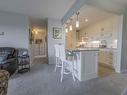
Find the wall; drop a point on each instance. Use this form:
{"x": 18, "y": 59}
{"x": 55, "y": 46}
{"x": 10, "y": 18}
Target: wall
{"x": 123, "y": 45}
{"x": 106, "y": 29}
{"x": 16, "y": 29}
{"x": 71, "y": 39}
{"x": 39, "y": 26}
{"x": 51, "y": 41}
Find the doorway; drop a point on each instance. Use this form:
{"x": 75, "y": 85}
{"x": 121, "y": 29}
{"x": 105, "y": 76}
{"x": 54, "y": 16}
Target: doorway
{"x": 38, "y": 41}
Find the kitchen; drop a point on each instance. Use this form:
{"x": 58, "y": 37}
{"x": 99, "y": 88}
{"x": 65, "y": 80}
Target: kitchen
{"x": 95, "y": 29}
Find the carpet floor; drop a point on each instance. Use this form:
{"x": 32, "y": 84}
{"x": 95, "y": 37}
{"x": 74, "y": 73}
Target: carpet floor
{"x": 42, "y": 80}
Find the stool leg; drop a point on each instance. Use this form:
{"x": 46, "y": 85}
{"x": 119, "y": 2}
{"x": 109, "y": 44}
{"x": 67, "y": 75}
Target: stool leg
{"x": 56, "y": 64}
{"x": 73, "y": 75}
{"x": 62, "y": 71}
{"x": 72, "y": 71}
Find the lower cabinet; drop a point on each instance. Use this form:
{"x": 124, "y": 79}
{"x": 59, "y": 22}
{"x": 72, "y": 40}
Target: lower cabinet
{"x": 86, "y": 65}
{"x": 107, "y": 57}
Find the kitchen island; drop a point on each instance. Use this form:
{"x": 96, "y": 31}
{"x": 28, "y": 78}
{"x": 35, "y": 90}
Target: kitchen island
{"x": 86, "y": 63}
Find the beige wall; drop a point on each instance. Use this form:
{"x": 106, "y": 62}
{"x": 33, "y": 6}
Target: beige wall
{"x": 71, "y": 39}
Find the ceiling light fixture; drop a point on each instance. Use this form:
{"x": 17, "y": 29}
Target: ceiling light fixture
{"x": 66, "y": 28}
{"x": 86, "y": 20}
{"x": 77, "y": 21}
{"x": 36, "y": 32}
{"x": 70, "y": 28}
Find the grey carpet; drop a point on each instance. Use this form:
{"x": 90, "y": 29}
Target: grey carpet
{"x": 42, "y": 80}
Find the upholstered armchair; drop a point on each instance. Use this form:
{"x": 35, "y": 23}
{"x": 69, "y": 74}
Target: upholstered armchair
{"x": 4, "y": 77}
{"x": 23, "y": 60}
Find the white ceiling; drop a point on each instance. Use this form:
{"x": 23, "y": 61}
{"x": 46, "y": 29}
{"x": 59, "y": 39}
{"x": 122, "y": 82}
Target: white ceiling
{"x": 121, "y": 1}
{"x": 37, "y": 8}
{"x": 91, "y": 13}
{"x": 113, "y": 6}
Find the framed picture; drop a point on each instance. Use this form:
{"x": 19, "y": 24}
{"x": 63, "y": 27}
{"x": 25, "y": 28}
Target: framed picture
{"x": 57, "y": 33}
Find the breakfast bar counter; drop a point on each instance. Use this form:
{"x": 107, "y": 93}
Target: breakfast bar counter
{"x": 86, "y": 63}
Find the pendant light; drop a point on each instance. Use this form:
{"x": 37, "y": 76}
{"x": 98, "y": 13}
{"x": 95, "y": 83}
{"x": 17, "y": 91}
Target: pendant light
{"x": 66, "y": 28}
{"x": 70, "y": 27}
{"x": 77, "y": 21}
{"x": 86, "y": 20}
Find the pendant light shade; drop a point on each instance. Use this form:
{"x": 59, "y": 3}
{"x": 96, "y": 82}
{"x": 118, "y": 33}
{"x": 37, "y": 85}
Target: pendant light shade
{"x": 86, "y": 20}
{"x": 36, "y": 32}
{"x": 66, "y": 30}
{"x": 77, "y": 24}
{"x": 70, "y": 28}
{"x": 77, "y": 21}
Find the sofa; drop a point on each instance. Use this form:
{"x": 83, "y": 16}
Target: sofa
{"x": 4, "y": 77}
{"x": 8, "y": 59}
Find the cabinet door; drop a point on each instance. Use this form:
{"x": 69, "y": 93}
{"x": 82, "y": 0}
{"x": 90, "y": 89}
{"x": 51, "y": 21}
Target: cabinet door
{"x": 106, "y": 57}
{"x": 89, "y": 65}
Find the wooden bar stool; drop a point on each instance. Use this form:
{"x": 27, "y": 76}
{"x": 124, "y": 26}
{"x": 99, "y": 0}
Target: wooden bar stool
{"x": 67, "y": 65}
{"x": 57, "y": 55}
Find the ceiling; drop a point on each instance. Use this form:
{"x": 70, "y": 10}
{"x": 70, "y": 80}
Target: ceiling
{"x": 37, "y": 8}
{"x": 50, "y": 8}
{"x": 91, "y": 13}
{"x": 113, "y": 6}
{"x": 121, "y": 1}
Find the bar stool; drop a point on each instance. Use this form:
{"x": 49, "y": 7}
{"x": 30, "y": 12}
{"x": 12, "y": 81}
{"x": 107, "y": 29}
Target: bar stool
{"x": 67, "y": 65}
{"x": 57, "y": 55}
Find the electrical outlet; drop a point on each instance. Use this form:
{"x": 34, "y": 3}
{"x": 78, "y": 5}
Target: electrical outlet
{"x": 2, "y": 33}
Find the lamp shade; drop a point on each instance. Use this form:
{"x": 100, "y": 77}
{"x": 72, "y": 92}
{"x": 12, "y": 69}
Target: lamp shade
{"x": 66, "y": 30}
{"x": 70, "y": 28}
{"x": 77, "y": 24}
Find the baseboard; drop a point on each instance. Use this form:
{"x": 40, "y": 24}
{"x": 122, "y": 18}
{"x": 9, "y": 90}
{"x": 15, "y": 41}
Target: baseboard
{"x": 40, "y": 56}
{"x": 124, "y": 71}
{"x": 89, "y": 76}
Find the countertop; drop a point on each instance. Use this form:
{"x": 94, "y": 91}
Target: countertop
{"x": 93, "y": 49}
{"x": 107, "y": 49}
{"x": 84, "y": 49}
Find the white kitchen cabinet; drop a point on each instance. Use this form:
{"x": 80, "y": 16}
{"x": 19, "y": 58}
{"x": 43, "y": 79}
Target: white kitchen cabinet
{"x": 108, "y": 57}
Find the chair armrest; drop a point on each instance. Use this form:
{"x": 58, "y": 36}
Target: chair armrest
{"x": 10, "y": 56}
{"x": 8, "y": 60}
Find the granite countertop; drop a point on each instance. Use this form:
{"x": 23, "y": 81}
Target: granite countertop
{"x": 93, "y": 49}
{"x": 108, "y": 49}
{"x": 85, "y": 49}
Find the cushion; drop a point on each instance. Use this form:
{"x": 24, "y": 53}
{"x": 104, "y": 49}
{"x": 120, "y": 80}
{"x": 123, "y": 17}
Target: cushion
{"x": 22, "y": 52}
{"x": 3, "y": 56}
{"x": 7, "y": 50}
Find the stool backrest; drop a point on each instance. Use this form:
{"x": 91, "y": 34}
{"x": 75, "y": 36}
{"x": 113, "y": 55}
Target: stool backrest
{"x": 62, "y": 52}
{"x": 57, "y": 50}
